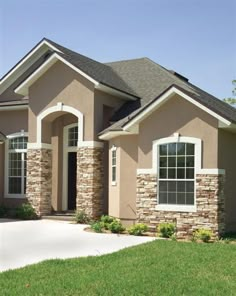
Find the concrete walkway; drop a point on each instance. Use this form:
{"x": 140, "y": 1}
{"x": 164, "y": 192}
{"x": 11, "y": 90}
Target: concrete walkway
{"x": 27, "y": 242}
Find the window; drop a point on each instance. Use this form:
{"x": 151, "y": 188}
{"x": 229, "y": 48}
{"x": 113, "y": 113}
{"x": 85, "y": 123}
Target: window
{"x": 16, "y": 166}
{"x": 113, "y": 165}
{"x": 176, "y": 173}
{"x": 73, "y": 136}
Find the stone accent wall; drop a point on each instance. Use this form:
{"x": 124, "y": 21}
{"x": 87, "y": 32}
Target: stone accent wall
{"x": 90, "y": 180}
{"x": 209, "y": 200}
{"x": 39, "y": 180}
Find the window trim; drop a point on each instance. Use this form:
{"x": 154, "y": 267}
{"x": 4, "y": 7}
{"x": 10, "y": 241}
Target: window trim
{"x": 197, "y": 166}
{"x": 114, "y": 182}
{"x": 6, "y": 169}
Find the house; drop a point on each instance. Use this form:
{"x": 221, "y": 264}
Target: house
{"x": 128, "y": 138}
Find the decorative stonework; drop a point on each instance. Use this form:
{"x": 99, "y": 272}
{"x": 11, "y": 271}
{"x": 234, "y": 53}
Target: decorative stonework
{"x": 39, "y": 180}
{"x": 209, "y": 200}
{"x": 90, "y": 180}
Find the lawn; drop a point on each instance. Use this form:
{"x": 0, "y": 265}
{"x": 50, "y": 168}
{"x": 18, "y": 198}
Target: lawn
{"x": 156, "y": 268}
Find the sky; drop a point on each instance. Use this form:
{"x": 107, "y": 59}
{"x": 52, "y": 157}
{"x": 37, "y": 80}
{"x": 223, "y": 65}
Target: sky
{"x": 196, "y": 38}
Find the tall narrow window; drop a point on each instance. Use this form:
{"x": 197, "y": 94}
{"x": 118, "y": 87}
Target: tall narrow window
{"x": 113, "y": 165}
{"x": 73, "y": 136}
{"x": 176, "y": 173}
{"x": 16, "y": 170}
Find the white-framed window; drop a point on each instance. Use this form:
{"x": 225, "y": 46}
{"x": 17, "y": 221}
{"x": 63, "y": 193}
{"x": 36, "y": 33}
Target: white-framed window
{"x": 15, "y": 165}
{"x": 113, "y": 165}
{"x": 73, "y": 136}
{"x": 177, "y": 161}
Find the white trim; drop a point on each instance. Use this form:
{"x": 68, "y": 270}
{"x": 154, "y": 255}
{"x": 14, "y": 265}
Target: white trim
{"x": 112, "y": 134}
{"x": 92, "y": 144}
{"x": 66, "y": 150}
{"x": 161, "y": 100}
{"x": 115, "y": 92}
{"x": 27, "y": 62}
{"x": 176, "y": 208}
{"x": 211, "y": 172}
{"x": 61, "y": 107}
{"x": 146, "y": 171}
{"x": 22, "y": 133}
{"x": 22, "y": 89}
{"x": 39, "y": 146}
{"x": 13, "y": 108}
{"x": 113, "y": 182}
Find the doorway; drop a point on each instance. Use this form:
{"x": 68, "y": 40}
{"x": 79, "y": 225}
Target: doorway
{"x": 71, "y": 180}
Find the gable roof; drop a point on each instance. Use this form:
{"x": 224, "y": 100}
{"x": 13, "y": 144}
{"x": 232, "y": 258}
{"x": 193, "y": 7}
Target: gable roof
{"x": 141, "y": 79}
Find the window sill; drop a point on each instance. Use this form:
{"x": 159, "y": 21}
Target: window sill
{"x": 17, "y": 196}
{"x": 176, "y": 208}
{"x": 113, "y": 183}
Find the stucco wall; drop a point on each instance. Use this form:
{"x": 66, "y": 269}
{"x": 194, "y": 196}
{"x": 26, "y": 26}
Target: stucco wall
{"x": 10, "y": 122}
{"x": 61, "y": 84}
{"x": 227, "y": 161}
{"x": 178, "y": 115}
{"x": 122, "y": 196}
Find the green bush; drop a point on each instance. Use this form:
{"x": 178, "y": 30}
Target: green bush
{"x": 166, "y": 230}
{"x": 26, "y": 212}
{"x": 106, "y": 221}
{"x": 3, "y": 211}
{"x": 97, "y": 226}
{"x": 138, "y": 229}
{"x": 116, "y": 227}
{"x": 203, "y": 234}
{"x": 81, "y": 217}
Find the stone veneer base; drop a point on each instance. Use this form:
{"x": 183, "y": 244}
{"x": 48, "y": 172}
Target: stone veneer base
{"x": 210, "y": 212}
{"x": 39, "y": 180}
{"x": 90, "y": 176}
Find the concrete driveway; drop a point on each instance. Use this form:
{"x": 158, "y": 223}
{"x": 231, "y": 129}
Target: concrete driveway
{"x": 27, "y": 242}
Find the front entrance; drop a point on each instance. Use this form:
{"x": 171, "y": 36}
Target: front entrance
{"x": 71, "y": 180}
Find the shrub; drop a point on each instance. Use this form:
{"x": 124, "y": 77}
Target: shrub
{"x": 116, "y": 227}
{"x": 166, "y": 230}
{"x": 203, "y": 234}
{"x": 138, "y": 229}
{"x": 3, "y": 211}
{"x": 106, "y": 221}
{"x": 97, "y": 226}
{"x": 26, "y": 212}
{"x": 81, "y": 217}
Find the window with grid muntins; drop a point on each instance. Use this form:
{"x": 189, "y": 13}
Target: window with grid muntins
{"x": 73, "y": 136}
{"x": 17, "y": 148}
{"x": 176, "y": 173}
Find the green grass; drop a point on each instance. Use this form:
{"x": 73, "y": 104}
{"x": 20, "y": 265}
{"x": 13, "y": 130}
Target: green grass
{"x": 156, "y": 268}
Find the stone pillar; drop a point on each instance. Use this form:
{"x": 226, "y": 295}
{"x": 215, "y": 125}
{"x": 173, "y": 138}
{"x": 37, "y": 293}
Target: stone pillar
{"x": 90, "y": 181}
{"x": 39, "y": 180}
{"x": 210, "y": 211}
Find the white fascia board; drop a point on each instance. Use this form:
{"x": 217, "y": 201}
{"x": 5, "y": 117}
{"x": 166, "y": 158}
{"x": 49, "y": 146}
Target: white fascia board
{"x": 166, "y": 96}
{"x": 14, "y": 108}
{"x": 23, "y": 88}
{"x": 115, "y": 92}
{"x": 27, "y": 62}
{"x": 114, "y": 134}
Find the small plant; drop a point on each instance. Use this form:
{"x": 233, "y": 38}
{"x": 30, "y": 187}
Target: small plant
{"x": 81, "y": 217}
{"x": 166, "y": 230}
{"x": 3, "y": 211}
{"x": 97, "y": 227}
{"x": 203, "y": 234}
{"x": 106, "y": 221}
{"x": 138, "y": 229}
{"x": 26, "y": 212}
{"x": 116, "y": 227}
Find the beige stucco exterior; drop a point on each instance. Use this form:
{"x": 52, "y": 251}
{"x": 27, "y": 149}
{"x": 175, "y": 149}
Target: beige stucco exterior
{"x": 178, "y": 116}
{"x": 227, "y": 161}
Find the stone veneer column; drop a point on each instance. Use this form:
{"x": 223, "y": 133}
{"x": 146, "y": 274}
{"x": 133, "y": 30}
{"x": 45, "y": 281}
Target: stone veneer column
{"x": 39, "y": 180}
{"x": 209, "y": 201}
{"x": 90, "y": 181}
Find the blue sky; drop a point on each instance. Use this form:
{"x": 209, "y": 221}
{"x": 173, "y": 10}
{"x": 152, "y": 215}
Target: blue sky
{"x": 196, "y": 38}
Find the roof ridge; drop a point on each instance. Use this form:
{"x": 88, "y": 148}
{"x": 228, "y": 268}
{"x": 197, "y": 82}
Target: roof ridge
{"x": 120, "y": 61}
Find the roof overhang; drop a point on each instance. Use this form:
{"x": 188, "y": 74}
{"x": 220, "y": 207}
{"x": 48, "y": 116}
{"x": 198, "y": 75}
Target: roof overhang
{"x": 14, "y": 107}
{"x": 132, "y": 125}
{"x": 2, "y": 138}
{"x": 28, "y": 60}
